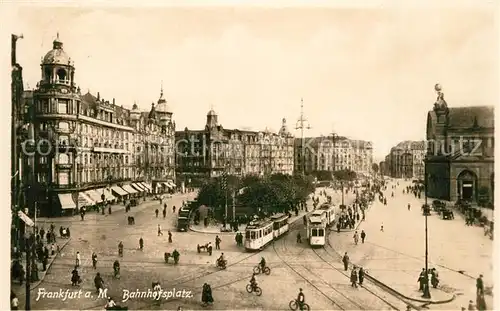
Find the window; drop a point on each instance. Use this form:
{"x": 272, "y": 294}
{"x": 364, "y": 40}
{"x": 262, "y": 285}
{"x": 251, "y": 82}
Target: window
{"x": 43, "y": 160}
{"x": 252, "y": 235}
{"x": 63, "y": 178}
{"x": 321, "y": 232}
{"x": 63, "y": 126}
{"x": 314, "y": 232}
{"x": 62, "y": 107}
{"x": 63, "y": 140}
{"x": 63, "y": 158}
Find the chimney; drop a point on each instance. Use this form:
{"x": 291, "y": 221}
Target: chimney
{"x": 113, "y": 101}
{"x": 98, "y": 96}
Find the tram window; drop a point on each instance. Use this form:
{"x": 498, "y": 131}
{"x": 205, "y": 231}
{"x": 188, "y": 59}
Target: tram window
{"x": 321, "y": 232}
{"x": 247, "y": 234}
{"x": 276, "y": 226}
{"x": 260, "y": 233}
{"x": 253, "y": 235}
{"x": 314, "y": 232}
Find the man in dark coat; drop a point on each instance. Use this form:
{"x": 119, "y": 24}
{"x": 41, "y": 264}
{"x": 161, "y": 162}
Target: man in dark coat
{"x": 345, "y": 261}
{"x": 363, "y": 236}
{"x": 361, "y": 276}
{"x": 480, "y": 285}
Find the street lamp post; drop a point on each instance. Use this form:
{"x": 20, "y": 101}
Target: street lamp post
{"x": 427, "y": 293}
{"x": 302, "y": 125}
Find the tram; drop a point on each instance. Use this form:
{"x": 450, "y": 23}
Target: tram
{"x": 260, "y": 233}
{"x": 329, "y": 213}
{"x": 316, "y": 228}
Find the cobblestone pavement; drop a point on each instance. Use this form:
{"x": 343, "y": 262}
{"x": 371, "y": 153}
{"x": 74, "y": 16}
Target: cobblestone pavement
{"x": 396, "y": 255}
{"x": 141, "y": 268}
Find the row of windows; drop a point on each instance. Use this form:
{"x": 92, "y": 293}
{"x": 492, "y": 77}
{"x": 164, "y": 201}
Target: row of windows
{"x": 317, "y": 232}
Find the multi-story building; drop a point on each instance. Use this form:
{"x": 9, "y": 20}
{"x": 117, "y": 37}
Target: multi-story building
{"x": 407, "y": 160}
{"x": 460, "y": 152}
{"x": 211, "y": 151}
{"x": 333, "y": 153}
{"x": 87, "y": 143}
{"x": 382, "y": 168}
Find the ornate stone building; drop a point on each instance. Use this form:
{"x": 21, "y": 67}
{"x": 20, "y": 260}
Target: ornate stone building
{"x": 460, "y": 151}
{"x": 407, "y": 160}
{"x": 213, "y": 150}
{"x": 333, "y": 153}
{"x": 91, "y": 149}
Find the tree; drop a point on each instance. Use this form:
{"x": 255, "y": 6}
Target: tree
{"x": 323, "y": 175}
{"x": 375, "y": 168}
{"x": 345, "y": 175}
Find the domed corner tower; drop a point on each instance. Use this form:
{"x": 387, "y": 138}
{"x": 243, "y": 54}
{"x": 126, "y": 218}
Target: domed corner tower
{"x": 57, "y": 67}
{"x": 57, "y": 101}
{"x": 212, "y": 117}
{"x": 135, "y": 115}
{"x": 164, "y": 112}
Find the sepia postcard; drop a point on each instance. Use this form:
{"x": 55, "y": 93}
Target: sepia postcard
{"x": 251, "y": 156}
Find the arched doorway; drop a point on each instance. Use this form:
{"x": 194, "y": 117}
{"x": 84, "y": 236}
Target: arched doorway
{"x": 466, "y": 185}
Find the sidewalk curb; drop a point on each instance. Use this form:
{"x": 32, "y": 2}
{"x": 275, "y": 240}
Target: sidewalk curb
{"x": 427, "y": 301}
{"x": 37, "y": 283}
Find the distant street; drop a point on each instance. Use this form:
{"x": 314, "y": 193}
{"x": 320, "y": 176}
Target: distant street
{"x": 396, "y": 255}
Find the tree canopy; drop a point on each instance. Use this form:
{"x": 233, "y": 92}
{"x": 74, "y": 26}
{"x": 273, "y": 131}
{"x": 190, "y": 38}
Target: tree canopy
{"x": 375, "y": 168}
{"x": 345, "y": 175}
{"x": 274, "y": 193}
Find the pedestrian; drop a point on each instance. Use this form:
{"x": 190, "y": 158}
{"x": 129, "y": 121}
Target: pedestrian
{"x": 356, "y": 238}
{"x": 159, "y": 230}
{"x": 14, "y": 301}
{"x": 299, "y": 238}
{"x": 471, "y": 305}
{"x": 354, "y": 278}
{"x": 94, "y": 260}
{"x": 156, "y": 212}
{"x": 165, "y": 206}
{"x": 45, "y": 262}
{"x": 169, "y": 236}
{"x": 409, "y": 207}
{"x": 165, "y": 212}
{"x": 345, "y": 261}
{"x": 77, "y": 260}
{"x": 173, "y": 209}
{"x": 141, "y": 243}
{"x": 363, "y": 236}
{"x": 479, "y": 285}
{"x": 338, "y": 227}
{"x": 421, "y": 280}
{"x": 361, "y": 276}
{"x": 382, "y": 227}
{"x": 217, "y": 242}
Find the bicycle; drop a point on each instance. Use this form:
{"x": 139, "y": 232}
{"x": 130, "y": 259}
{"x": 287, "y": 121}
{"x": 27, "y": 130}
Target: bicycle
{"x": 254, "y": 288}
{"x": 258, "y": 270}
{"x": 295, "y": 305}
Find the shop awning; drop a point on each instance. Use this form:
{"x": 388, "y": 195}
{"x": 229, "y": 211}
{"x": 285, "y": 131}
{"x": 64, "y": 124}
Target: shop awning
{"x": 119, "y": 191}
{"x": 109, "y": 195}
{"x": 66, "y": 201}
{"x": 171, "y": 183}
{"x": 136, "y": 187}
{"x": 98, "y": 193}
{"x": 84, "y": 200}
{"x": 146, "y": 185}
{"x": 166, "y": 184}
{"x": 93, "y": 195}
{"x": 129, "y": 189}
{"x": 141, "y": 186}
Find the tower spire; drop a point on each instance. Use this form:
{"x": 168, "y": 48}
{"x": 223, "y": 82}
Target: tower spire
{"x": 302, "y": 124}
{"x": 161, "y": 88}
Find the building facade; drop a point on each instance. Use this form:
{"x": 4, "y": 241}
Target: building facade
{"x": 332, "y": 154}
{"x": 214, "y": 150}
{"x": 406, "y": 160}
{"x": 86, "y": 142}
{"x": 460, "y": 152}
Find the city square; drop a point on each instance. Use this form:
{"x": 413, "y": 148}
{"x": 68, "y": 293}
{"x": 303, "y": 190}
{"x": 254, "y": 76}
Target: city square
{"x": 120, "y": 204}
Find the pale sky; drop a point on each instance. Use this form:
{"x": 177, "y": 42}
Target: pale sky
{"x": 363, "y": 73}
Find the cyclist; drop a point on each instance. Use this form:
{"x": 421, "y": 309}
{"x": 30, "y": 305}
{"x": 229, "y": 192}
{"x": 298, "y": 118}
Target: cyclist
{"x": 301, "y": 299}
{"x": 262, "y": 263}
{"x": 253, "y": 281}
